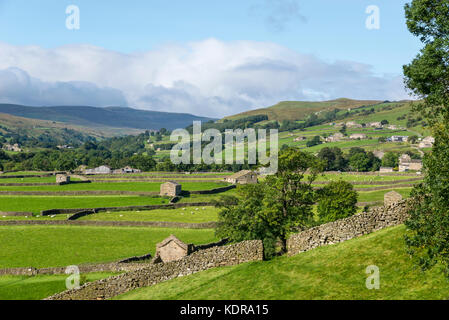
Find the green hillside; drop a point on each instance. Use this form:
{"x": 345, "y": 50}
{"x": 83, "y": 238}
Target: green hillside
{"x": 298, "y": 110}
{"x": 332, "y": 272}
{"x": 115, "y": 117}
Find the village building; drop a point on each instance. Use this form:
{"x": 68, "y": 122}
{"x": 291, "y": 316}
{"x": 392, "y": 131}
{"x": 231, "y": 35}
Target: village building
{"x": 15, "y": 147}
{"x": 299, "y": 139}
{"x": 335, "y": 137}
{"x": 62, "y": 179}
{"x": 99, "y": 170}
{"x": 375, "y": 125}
{"x": 406, "y": 163}
{"x": 353, "y": 124}
{"x": 243, "y": 177}
{"x": 356, "y": 136}
{"x": 427, "y": 142}
{"x": 392, "y": 197}
{"x": 172, "y": 249}
{"x": 126, "y": 170}
{"x": 399, "y": 139}
{"x": 171, "y": 189}
{"x": 385, "y": 169}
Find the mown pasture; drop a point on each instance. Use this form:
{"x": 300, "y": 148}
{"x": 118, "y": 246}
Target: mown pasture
{"x": 58, "y": 246}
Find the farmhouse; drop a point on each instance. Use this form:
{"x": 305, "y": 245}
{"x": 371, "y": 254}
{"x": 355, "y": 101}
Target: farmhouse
{"x": 99, "y": 170}
{"x": 299, "y": 139}
{"x": 353, "y": 124}
{"x": 427, "y": 142}
{"x": 126, "y": 170}
{"x": 243, "y": 177}
{"x": 335, "y": 137}
{"x": 385, "y": 169}
{"x": 172, "y": 249}
{"x": 399, "y": 138}
{"x": 406, "y": 163}
{"x": 170, "y": 189}
{"x": 15, "y": 147}
{"x": 375, "y": 125}
{"x": 356, "y": 136}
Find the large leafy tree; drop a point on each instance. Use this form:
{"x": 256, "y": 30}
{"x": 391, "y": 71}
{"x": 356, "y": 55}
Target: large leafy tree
{"x": 274, "y": 208}
{"x": 337, "y": 200}
{"x": 427, "y": 76}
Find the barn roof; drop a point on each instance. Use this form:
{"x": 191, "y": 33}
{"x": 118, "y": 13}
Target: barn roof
{"x": 173, "y": 183}
{"x": 239, "y": 174}
{"x": 174, "y": 239}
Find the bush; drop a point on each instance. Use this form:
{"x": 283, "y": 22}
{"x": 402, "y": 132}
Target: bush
{"x": 337, "y": 200}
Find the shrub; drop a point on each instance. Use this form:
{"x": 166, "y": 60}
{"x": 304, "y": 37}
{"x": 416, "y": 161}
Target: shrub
{"x": 336, "y": 201}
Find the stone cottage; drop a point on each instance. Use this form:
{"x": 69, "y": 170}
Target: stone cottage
{"x": 427, "y": 142}
{"x": 356, "y": 136}
{"x": 406, "y": 163}
{"x": 392, "y": 197}
{"x": 170, "y": 189}
{"x": 172, "y": 249}
{"x": 243, "y": 177}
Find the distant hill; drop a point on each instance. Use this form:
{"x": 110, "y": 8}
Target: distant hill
{"x": 115, "y": 117}
{"x": 298, "y": 110}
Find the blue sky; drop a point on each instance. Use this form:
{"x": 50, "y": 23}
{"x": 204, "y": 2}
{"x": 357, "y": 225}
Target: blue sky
{"x": 328, "y": 34}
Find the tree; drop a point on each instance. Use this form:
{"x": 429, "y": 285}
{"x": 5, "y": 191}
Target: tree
{"x": 274, "y": 208}
{"x": 390, "y": 159}
{"x": 333, "y": 159}
{"x": 427, "y": 76}
{"x": 316, "y": 140}
{"x": 337, "y": 200}
{"x": 384, "y": 122}
{"x": 413, "y": 139}
{"x": 359, "y": 162}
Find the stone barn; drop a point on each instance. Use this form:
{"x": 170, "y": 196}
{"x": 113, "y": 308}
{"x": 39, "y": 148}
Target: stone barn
{"x": 243, "y": 177}
{"x": 62, "y": 179}
{"x": 172, "y": 249}
{"x": 171, "y": 189}
{"x": 392, "y": 198}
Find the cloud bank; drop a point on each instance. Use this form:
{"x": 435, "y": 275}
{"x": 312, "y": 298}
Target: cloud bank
{"x": 210, "y": 77}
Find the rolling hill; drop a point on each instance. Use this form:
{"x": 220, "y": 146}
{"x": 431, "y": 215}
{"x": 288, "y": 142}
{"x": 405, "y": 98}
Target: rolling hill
{"x": 298, "y": 110}
{"x": 112, "y": 117}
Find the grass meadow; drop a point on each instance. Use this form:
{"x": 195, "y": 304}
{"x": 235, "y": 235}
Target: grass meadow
{"x": 58, "y": 246}
{"x": 336, "y": 272}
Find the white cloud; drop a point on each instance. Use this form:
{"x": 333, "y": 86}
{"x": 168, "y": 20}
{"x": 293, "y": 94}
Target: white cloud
{"x": 210, "y": 77}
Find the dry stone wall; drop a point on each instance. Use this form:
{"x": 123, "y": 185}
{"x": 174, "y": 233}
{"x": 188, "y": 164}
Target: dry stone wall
{"x": 242, "y": 252}
{"x": 148, "y": 224}
{"x": 334, "y": 232}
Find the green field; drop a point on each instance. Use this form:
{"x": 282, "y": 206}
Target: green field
{"x": 187, "y": 215}
{"x": 332, "y": 272}
{"x": 116, "y": 186}
{"x": 37, "y": 203}
{"x": 370, "y": 196}
{"x": 58, "y": 246}
{"x": 38, "y": 287}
